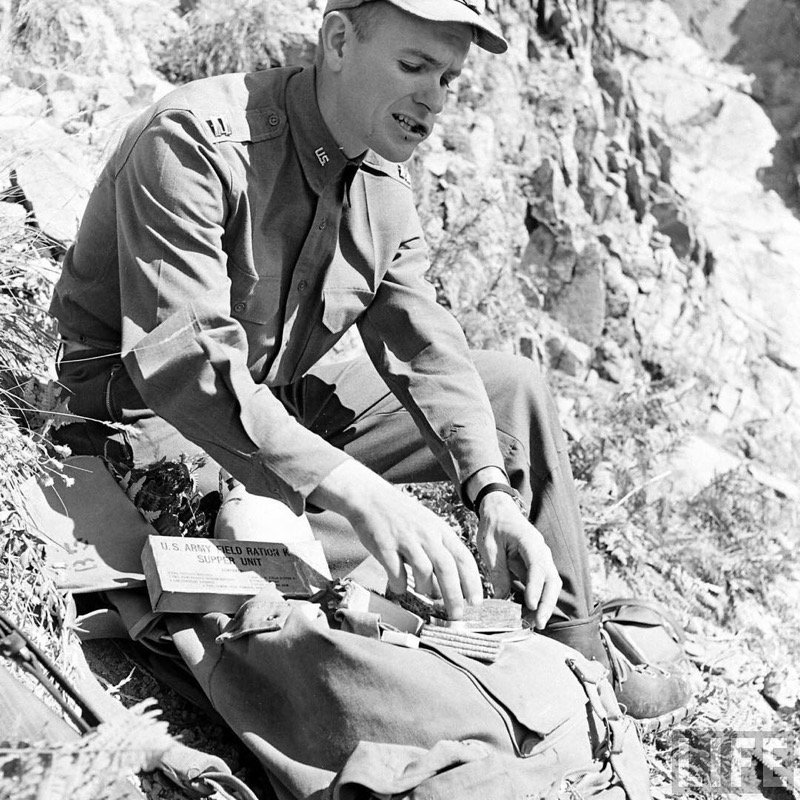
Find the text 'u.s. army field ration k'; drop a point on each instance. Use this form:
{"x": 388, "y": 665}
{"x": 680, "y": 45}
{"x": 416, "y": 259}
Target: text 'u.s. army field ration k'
{"x": 198, "y": 575}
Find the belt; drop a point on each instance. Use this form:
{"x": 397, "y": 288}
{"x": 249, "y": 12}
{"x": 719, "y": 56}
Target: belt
{"x": 69, "y": 346}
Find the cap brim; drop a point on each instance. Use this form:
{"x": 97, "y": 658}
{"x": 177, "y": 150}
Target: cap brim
{"x": 487, "y": 36}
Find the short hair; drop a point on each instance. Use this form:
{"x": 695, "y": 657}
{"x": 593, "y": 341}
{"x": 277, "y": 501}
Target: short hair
{"x": 363, "y": 18}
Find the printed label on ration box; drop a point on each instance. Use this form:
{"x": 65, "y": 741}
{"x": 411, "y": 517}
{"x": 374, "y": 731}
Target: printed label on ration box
{"x": 199, "y": 575}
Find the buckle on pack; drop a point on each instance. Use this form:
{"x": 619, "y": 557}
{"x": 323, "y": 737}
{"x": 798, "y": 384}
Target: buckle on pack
{"x": 587, "y": 671}
{"x": 591, "y": 674}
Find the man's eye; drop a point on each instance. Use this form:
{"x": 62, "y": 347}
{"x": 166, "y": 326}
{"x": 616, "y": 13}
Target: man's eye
{"x": 408, "y": 67}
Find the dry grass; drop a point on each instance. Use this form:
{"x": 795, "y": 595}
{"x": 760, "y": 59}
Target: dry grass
{"x": 96, "y": 765}
{"x": 238, "y": 36}
{"x": 30, "y": 403}
{"x": 714, "y": 559}
{"x": 27, "y": 592}
{"x": 91, "y": 768}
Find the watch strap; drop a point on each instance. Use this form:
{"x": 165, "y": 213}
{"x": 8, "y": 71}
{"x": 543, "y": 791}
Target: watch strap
{"x": 488, "y": 489}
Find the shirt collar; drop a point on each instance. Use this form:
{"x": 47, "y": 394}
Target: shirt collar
{"x": 322, "y": 160}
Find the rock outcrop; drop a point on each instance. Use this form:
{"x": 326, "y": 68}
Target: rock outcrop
{"x": 651, "y": 243}
{"x": 74, "y": 78}
{"x": 762, "y": 37}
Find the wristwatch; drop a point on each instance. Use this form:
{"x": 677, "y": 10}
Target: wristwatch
{"x": 475, "y": 505}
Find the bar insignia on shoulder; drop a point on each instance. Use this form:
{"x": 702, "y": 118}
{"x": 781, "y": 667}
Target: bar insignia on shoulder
{"x": 220, "y": 127}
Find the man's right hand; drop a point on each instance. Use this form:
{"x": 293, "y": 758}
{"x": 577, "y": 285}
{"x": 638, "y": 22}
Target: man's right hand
{"x": 399, "y": 531}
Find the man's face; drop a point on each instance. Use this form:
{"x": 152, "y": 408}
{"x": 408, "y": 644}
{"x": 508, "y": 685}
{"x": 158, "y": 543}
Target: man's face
{"x": 394, "y": 84}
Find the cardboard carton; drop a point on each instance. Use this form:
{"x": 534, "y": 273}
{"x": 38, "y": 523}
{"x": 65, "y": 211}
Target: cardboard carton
{"x": 198, "y": 575}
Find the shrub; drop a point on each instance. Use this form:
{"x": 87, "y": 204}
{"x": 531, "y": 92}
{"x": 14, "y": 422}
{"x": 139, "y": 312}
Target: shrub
{"x": 239, "y": 36}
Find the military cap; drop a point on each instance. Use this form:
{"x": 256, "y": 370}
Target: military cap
{"x": 471, "y": 12}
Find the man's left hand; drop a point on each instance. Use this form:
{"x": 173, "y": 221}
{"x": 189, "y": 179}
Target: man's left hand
{"x": 512, "y": 548}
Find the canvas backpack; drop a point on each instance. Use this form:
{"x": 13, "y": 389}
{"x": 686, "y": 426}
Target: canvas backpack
{"x": 338, "y": 716}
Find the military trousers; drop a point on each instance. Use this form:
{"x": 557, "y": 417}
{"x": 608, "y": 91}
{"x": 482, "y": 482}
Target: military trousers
{"x": 349, "y": 405}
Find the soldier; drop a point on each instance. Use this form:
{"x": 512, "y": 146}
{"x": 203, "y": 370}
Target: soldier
{"x": 244, "y": 223}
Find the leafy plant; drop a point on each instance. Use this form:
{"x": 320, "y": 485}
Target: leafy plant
{"x": 616, "y": 462}
{"x": 736, "y": 532}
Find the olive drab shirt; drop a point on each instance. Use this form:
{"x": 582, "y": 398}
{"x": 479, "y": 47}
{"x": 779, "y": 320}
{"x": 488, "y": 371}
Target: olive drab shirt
{"x": 228, "y": 245}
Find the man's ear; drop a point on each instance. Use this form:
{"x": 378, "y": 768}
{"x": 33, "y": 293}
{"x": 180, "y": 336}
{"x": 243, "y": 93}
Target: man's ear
{"x": 335, "y": 34}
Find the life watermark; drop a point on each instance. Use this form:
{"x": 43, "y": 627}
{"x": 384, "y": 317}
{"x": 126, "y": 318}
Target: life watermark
{"x": 732, "y": 762}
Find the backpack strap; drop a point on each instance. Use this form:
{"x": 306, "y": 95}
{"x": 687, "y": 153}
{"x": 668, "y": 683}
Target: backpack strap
{"x": 622, "y": 748}
{"x": 592, "y": 675}
{"x": 224, "y": 786}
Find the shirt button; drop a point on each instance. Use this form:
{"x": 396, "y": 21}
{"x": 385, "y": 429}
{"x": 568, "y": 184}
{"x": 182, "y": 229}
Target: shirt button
{"x": 323, "y": 224}
{"x": 273, "y": 119}
{"x": 302, "y": 286}
{"x": 239, "y": 307}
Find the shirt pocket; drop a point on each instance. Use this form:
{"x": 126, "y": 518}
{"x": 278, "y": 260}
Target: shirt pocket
{"x": 342, "y": 307}
{"x": 257, "y": 303}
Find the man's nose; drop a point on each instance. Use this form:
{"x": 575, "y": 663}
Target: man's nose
{"x": 432, "y": 96}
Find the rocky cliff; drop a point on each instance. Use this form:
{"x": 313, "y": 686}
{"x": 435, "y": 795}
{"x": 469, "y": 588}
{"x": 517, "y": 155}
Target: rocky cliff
{"x": 630, "y": 209}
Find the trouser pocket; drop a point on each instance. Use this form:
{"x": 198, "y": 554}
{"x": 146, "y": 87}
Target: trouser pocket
{"x": 88, "y": 376}
{"x": 100, "y": 387}
{"x": 92, "y": 380}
